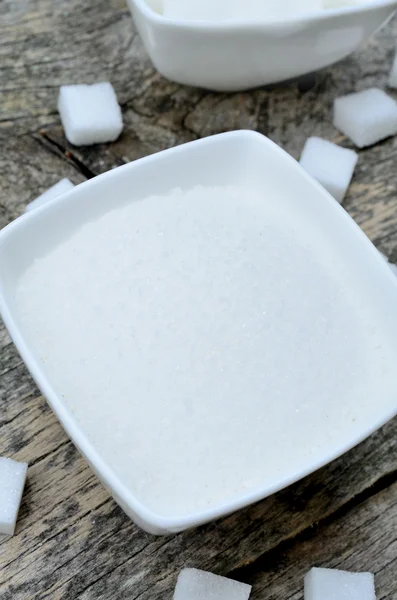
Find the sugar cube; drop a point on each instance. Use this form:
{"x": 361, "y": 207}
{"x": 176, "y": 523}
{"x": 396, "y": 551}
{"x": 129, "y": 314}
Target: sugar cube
{"x": 90, "y": 114}
{"x": 53, "y": 192}
{"x": 12, "y": 482}
{"x": 223, "y": 10}
{"x": 194, "y": 584}
{"x": 366, "y": 117}
{"x": 331, "y": 584}
{"x": 393, "y": 74}
{"x": 330, "y": 164}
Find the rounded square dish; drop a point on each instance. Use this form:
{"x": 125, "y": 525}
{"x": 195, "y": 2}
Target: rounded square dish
{"x": 234, "y": 56}
{"x": 326, "y": 335}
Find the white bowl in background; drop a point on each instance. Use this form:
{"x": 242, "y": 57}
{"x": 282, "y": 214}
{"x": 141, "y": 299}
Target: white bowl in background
{"x": 236, "y": 158}
{"x": 233, "y": 56}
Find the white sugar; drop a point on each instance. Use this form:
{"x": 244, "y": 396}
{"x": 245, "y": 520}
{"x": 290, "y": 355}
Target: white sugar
{"x": 12, "y": 482}
{"x": 330, "y": 584}
{"x": 64, "y": 185}
{"x": 90, "y": 114}
{"x": 366, "y": 117}
{"x": 330, "y": 164}
{"x": 196, "y": 337}
{"x": 193, "y": 584}
{"x": 224, "y": 10}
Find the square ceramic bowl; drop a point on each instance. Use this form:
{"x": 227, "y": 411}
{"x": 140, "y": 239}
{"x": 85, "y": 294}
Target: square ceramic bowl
{"x": 233, "y": 56}
{"x": 246, "y": 159}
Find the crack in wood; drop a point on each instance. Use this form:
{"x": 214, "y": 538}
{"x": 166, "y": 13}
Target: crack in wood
{"x": 243, "y": 573}
{"x": 66, "y": 153}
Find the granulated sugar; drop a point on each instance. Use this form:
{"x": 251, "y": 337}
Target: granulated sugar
{"x": 210, "y": 343}
{"x": 224, "y": 10}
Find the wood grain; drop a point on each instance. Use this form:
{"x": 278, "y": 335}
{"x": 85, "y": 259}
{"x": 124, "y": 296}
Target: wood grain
{"x": 72, "y": 541}
{"x": 362, "y": 539}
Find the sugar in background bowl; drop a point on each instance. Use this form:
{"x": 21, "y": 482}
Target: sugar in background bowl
{"x": 238, "y": 158}
{"x": 242, "y": 55}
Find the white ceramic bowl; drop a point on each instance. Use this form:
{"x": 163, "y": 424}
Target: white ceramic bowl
{"x": 231, "y": 158}
{"x": 242, "y": 55}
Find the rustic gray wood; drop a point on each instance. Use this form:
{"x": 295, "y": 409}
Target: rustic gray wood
{"x": 361, "y": 539}
{"x": 72, "y": 541}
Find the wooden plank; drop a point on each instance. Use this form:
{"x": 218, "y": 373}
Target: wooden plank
{"x": 27, "y": 169}
{"x": 362, "y": 539}
{"x": 50, "y": 42}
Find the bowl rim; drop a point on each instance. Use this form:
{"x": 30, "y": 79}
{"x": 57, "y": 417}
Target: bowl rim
{"x": 145, "y": 516}
{"x": 271, "y": 24}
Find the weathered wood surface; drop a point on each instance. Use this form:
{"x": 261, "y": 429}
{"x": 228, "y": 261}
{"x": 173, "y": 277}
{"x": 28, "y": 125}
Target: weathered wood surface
{"x": 72, "y": 541}
{"x": 362, "y": 538}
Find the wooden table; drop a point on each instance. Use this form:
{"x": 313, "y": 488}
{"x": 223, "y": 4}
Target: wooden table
{"x": 72, "y": 541}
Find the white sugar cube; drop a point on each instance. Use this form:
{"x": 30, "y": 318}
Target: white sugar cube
{"x": 393, "y": 74}
{"x": 224, "y": 10}
{"x": 90, "y": 114}
{"x": 330, "y": 164}
{"x": 12, "y": 482}
{"x": 366, "y": 117}
{"x": 53, "y": 192}
{"x": 331, "y": 584}
{"x": 193, "y": 584}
